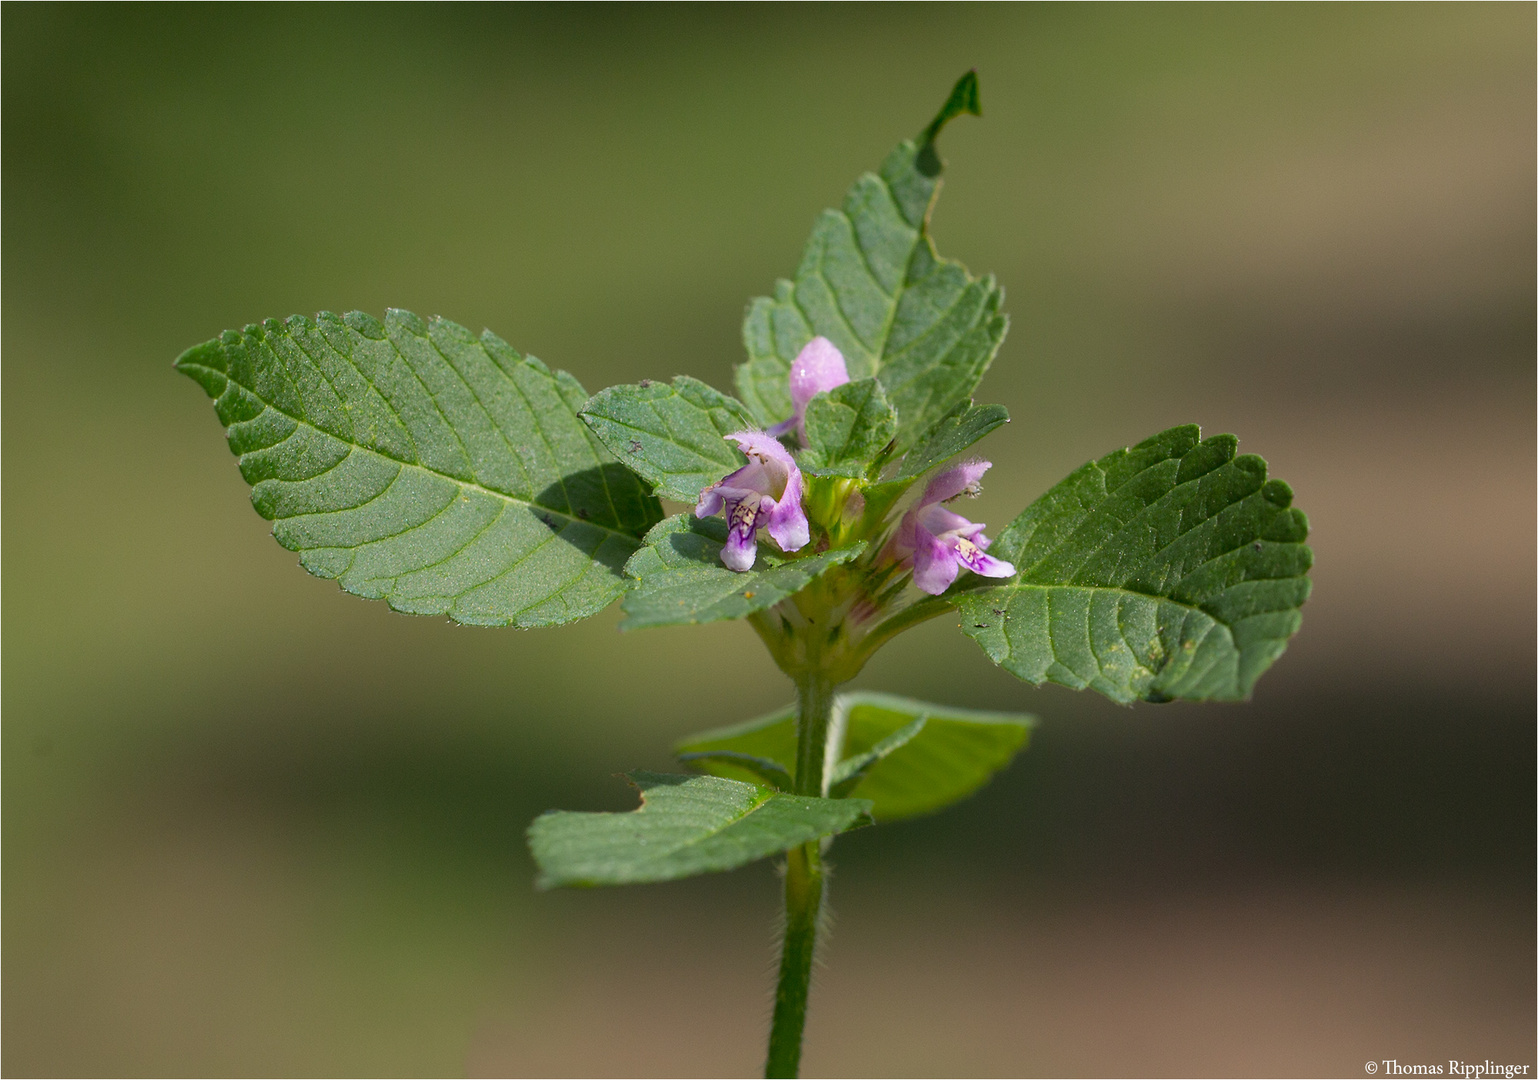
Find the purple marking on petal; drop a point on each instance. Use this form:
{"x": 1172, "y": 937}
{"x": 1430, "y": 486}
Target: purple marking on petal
{"x": 940, "y": 541}
{"x": 739, "y": 551}
{"x": 953, "y": 481}
{"x": 935, "y": 565}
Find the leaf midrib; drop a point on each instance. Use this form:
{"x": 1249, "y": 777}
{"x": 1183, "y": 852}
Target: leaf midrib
{"x": 1111, "y": 588}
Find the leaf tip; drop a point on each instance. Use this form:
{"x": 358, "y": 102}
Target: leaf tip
{"x": 205, "y": 365}
{"x": 963, "y": 99}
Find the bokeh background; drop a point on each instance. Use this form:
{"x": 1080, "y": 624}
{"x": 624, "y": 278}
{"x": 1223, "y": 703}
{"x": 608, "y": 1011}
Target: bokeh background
{"x": 255, "y": 826}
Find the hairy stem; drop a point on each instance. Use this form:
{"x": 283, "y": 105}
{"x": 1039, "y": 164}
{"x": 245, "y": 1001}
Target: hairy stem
{"x": 803, "y": 880}
{"x": 803, "y": 907}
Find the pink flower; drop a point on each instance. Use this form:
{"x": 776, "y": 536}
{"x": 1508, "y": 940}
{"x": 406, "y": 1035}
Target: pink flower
{"x": 817, "y": 367}
{"x": 764, "y": 493}
{"x": 939, "y": 542}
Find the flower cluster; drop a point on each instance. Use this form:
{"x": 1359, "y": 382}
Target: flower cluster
{"x": 934, "y": 542}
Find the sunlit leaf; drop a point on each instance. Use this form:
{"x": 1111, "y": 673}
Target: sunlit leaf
{"x": 1173, "y": 569}
{"x": 418, "y": 464}
{"x": 846, "y": 428}
{"x": 871, "y": 281}
{"x": 952, "y": 433}
{"x": 758, "y": 770}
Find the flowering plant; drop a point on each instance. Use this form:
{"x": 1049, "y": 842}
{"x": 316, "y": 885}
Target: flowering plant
{"x": 449, "y": 475}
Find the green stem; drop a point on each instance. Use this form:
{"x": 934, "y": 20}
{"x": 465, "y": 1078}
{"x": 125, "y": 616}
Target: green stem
{"x": 814, "y": 708}
{"x": 803, "y": 881}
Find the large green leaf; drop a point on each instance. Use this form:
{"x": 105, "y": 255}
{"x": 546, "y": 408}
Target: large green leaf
{"x": 871, "y": 281}
{"x": 908, "y": 757}
{"x": 671, "y": 433}
{"x": 1173, "y": 569}
{"x": 846, "y": 428}
{"x": 686, "y": 825}
{"x": 679, "y": 577}
{"x": 418, "y": 464}
{"x": 952, "y": 433}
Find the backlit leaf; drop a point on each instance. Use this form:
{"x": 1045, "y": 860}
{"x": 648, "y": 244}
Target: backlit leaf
{"x": 950, "y": 755}
{"x": 771, "y": 738}
{"x": 907, "y": 757}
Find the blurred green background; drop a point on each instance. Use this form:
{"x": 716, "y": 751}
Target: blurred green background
{"x": 255, "y": 826}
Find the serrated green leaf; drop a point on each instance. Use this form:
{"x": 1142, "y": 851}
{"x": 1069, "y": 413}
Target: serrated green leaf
{"x": 417, "y": 464}
{"x": 1173, "y": 569}
{"x": 908, "y": 757}
{"x": 679, "y": 577}
{"x": 846, "y": 428}
{"x": 954, "y": 432}
{"x": 871, "y": 281}
{"x": 686, "y": 825}
{"x": 673, "y": 434}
